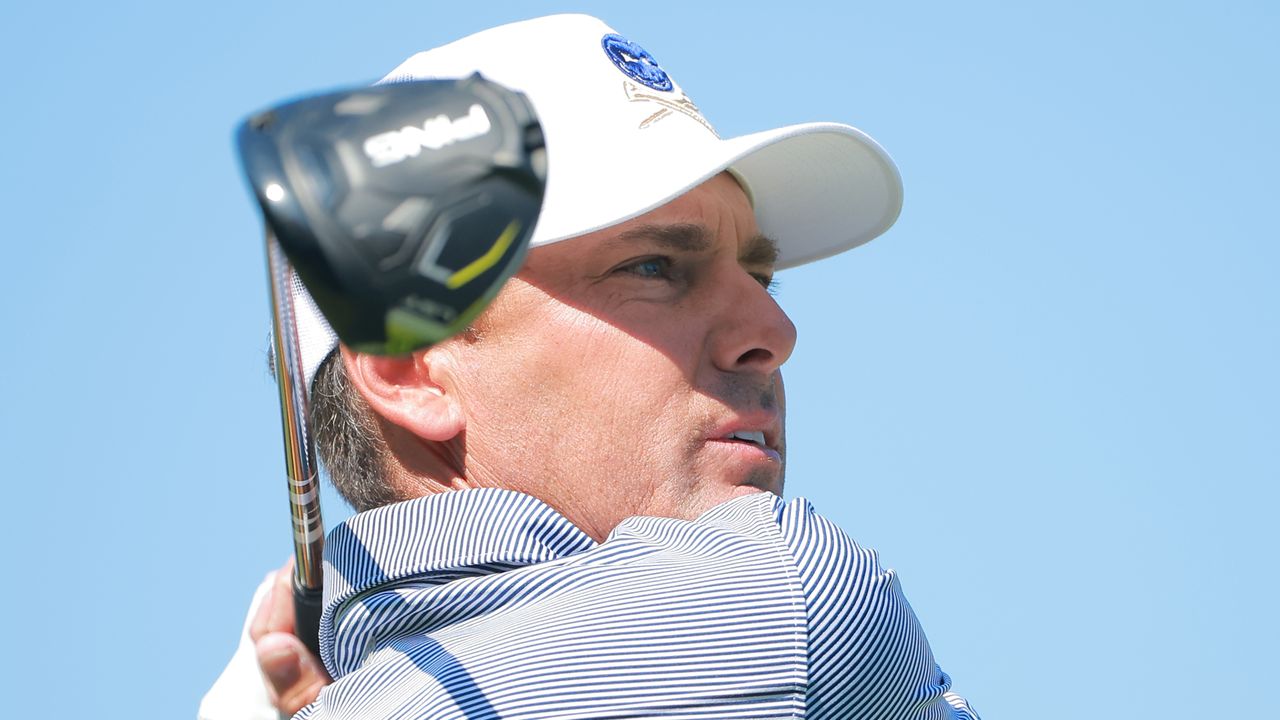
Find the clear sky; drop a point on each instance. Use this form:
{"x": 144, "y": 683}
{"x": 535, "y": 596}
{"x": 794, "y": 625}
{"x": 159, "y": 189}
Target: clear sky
{"x": 1048, "y": 395}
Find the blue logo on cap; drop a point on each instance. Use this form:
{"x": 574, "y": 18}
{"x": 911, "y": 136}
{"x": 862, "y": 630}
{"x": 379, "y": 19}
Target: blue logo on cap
{"x": 636, "y": 62}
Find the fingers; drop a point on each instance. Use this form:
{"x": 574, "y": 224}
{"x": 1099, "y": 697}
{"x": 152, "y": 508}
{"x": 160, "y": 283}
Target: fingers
{"x": 294, "y": 676}
{"x": 275, "y": 614}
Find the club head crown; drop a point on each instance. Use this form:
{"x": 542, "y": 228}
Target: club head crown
{"x": 402, "y": 207}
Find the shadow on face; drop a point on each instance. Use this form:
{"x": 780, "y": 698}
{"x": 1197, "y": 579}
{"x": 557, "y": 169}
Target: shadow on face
{"x": 635, "y": 370}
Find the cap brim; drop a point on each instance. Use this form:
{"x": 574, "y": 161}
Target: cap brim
{"x": 817, "y": 189}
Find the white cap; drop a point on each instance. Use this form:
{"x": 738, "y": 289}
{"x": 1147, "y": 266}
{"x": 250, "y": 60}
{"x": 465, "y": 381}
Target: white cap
{"x": 623, "y": 139}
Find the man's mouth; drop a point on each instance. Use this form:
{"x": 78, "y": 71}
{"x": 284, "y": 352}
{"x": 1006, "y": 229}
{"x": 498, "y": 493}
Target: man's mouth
{"x": 755, "y": 437}
{"x": 751, "y": 448}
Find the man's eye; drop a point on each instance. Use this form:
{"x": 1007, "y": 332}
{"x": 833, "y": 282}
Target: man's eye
{"x": 657, "y": 267}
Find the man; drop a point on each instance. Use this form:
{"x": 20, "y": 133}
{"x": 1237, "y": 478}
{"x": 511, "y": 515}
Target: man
{"x": 573, "y": 510}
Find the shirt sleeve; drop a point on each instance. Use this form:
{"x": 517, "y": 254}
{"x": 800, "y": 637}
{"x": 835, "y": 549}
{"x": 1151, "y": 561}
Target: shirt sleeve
{"x": 240, "y": 693}
{"x": 868, "y": 656}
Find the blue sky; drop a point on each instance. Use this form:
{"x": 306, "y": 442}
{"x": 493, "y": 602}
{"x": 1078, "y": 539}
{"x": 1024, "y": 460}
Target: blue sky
{"x": 1048, "y": 395}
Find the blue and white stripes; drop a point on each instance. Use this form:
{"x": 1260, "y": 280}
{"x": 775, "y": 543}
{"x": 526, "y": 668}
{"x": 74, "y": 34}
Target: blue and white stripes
{"x": 487, "y": 603}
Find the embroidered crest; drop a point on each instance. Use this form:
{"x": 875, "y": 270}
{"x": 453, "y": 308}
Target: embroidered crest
{"x": 648, "y": 82}
{"x": 680, "y": 104}
{"x": 636, "y": 63}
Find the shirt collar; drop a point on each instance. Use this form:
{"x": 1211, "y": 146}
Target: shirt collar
{"x": 443, "y": 537}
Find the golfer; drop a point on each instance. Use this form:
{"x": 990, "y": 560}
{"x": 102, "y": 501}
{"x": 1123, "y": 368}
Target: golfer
{"x": 574, "y": 509}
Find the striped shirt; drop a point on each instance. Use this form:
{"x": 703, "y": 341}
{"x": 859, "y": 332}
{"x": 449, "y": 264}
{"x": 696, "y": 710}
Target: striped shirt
{"x": 487, "y": 603}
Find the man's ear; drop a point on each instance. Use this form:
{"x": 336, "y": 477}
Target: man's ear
{"x": 400, "y": 390}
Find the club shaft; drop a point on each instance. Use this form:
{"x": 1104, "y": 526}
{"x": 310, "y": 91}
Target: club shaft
{"x": 299, "y": 458}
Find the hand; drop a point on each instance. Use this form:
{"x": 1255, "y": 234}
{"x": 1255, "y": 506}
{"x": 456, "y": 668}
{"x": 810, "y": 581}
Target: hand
{"x": 294, "y": 676}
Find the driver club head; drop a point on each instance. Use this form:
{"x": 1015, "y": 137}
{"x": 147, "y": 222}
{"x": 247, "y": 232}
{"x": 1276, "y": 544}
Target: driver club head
{"x": 402, "y": 207}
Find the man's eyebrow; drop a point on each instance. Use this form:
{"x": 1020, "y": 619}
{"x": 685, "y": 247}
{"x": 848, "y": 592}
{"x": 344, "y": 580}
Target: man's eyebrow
{"x": 687, "y": 237}
{"x": 759, "y": 250}
{"x": 691, "y": 237}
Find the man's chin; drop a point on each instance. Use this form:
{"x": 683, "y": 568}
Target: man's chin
{"x": 764, "y": 480}
{"x": 766, "y": 476}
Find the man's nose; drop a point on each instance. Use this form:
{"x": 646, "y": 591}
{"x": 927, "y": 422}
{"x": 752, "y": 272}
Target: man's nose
{"x": 752, "y": 333}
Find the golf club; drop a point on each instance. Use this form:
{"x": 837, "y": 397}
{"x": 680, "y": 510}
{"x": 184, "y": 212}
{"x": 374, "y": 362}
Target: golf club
{"x": 403, "y": 209}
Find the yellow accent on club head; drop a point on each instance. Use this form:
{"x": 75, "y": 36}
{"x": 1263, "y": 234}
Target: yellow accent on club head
{"x": 486, "y": 261}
